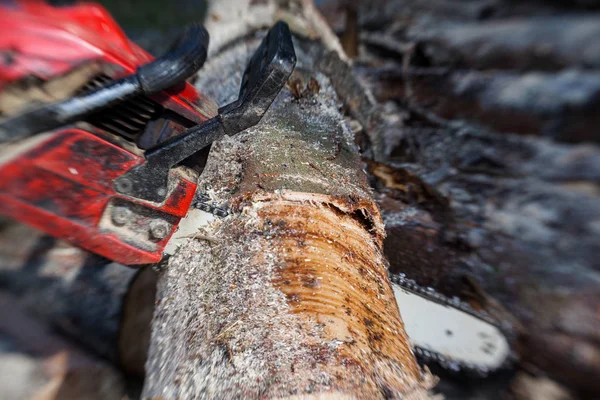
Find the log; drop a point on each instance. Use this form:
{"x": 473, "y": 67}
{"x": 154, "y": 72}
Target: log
{"x": 555, "y": 105}
{"x": 451, "y": 41}
{"x": 395, "y": 16}
{"x": 546, "y": 43}
{"x": 288, "y": 296}
{"x": 103, "y": 306}
{"x": 35, "y": 363}
{"x": 77, "y": 292}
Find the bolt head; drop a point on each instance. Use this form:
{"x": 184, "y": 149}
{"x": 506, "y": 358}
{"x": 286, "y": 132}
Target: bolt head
{"x": 120, "y": 215}
{"x": 123, "y": 185}
{"x": 159, "y": 229}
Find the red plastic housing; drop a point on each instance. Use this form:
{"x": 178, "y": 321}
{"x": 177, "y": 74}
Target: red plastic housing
{"x": 39, "y": 40}
{"x": 63, "y": 183}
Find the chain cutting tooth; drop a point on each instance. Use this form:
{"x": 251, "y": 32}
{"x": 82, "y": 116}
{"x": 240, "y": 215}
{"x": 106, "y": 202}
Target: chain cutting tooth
{"x": 204, "y": 203}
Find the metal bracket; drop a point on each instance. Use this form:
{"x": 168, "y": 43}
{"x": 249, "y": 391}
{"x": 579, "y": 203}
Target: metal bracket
{"x": 264, "y": 77}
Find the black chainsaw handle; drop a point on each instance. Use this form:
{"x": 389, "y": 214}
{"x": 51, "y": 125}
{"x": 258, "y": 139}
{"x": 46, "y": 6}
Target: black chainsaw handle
{"x": 174, "y": 67}
{"x": 178, "y": 64}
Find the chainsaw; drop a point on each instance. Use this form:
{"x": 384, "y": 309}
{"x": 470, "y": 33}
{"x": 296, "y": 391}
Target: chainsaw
{"x": 102, "y": 146}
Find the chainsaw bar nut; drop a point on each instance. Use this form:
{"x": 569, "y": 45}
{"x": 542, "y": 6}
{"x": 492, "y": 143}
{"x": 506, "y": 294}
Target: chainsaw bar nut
{"x": 159, "y": 229}
{"x": 120, "y": 215}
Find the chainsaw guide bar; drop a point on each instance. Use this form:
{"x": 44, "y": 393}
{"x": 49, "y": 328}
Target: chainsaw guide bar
{"x": 451, "y": 333}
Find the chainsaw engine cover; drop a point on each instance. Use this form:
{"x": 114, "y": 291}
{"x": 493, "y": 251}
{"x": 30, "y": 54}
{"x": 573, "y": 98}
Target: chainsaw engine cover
{"x": 63, "y": 181}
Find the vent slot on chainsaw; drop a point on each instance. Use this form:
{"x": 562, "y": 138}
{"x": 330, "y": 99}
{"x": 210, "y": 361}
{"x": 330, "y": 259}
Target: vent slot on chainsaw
{"x": 128, "y": 119}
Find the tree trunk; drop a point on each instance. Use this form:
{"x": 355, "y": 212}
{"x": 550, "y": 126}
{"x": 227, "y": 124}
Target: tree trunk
{"x": 75, "y": 291}
{"x": 103, "y": 306}
{"x": 289, "y": 295}
{"x": 35, "y": 363}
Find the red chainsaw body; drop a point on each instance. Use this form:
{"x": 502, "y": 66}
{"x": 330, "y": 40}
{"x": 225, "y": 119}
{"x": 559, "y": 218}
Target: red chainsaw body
{"x": 43, "y": 41}
{"x": 62, "y": 182}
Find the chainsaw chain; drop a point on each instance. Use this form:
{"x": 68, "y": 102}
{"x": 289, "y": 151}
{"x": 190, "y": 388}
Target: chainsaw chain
{"x": 204, "y": 203}
{"x": 428, "y": 356}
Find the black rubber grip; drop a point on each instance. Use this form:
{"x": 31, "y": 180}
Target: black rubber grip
{"x": 178, "y": 64}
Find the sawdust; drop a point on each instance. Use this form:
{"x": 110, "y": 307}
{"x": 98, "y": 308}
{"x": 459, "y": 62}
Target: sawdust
{"x": 227, "y": 329}
{"x": 238, "y": 324}
{"x": 223, "y": 170}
